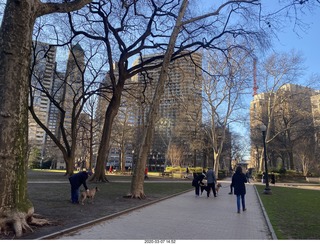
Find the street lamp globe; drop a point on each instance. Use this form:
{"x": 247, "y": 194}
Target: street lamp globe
{"x": 263, "y": 127}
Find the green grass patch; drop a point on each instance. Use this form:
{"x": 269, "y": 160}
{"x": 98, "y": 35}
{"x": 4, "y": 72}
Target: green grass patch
{"x": 294, "y": 213}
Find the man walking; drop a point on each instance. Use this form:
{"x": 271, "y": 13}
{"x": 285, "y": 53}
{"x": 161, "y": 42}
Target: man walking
{"x": 211, "y": 182}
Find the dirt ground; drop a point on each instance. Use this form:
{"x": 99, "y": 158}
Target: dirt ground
{"x": 50, "y": 195}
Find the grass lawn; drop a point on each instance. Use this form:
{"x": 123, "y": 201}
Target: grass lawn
{"x": 294, "y": 213}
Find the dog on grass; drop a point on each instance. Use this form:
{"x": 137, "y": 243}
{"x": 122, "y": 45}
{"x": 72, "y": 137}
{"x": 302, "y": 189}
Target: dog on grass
{"x": 88, "y": 194}
{"x": 205, "y": 187}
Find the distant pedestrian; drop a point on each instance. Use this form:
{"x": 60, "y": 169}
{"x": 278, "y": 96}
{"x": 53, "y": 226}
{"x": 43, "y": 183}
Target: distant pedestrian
{"x": 211, "y": 182}
{"x": 146, "y": 173}
{"x": 238, "y": 183}
{"x": 197, "y": 182}
{"x": 187, "y": 173}
{"x": 76, "y": 181}
{"x": 231, "y": 189}
{"x": 273, "y": 179}
{"x": 248, "y": 176}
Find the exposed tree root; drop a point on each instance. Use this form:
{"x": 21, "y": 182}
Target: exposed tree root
{"x": 17, "y": 223}
{"x": 136, "y": 196}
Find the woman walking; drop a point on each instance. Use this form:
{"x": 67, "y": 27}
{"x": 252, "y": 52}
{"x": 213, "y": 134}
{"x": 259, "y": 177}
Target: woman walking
{"x": 238, "y": 183}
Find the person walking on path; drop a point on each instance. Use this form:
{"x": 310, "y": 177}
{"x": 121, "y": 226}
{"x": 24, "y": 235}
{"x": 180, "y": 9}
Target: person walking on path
{"x": 211, "y": 182}
{"x": 187, "y": 173}
{"x": 196, "y": 182}
{"x": 248, "y": 176}
{"x": 231, "y": 189}
{"x": 76, "y": 181}
{"x": 238, "y": 183}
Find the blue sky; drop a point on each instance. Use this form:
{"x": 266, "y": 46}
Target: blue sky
{"x": 306, "y": 41}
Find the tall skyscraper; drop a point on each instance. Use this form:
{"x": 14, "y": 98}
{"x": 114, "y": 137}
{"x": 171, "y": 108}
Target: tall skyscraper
{"x": 180, "y": 110}
{"x": 73, "y": 84}
{"x": 44, "y": 57}
{"x": 63, "y": 88}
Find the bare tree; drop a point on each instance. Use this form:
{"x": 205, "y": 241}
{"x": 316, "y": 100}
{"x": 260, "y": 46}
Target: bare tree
{"x": 277, "y": 71}
{"x": 175, "y": 154}
{"x": 238, "y": 149}
{"x": 69, "y": 95}
{"x": 123, "y": 130}
{"x": 92, "y": 128}
{"x": 19, "y": 17}
{"x": 293, "y": 124}
{"x": 189, "y": 37}
{"x": 224, "y": 85}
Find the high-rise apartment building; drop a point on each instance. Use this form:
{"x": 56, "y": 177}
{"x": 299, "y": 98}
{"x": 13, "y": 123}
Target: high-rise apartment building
{"x": 63, "y": 88}
{"x": 180, "y": 110}
{"x": 73, "y": 84}
{"x": 57, "y": 93}
{"x": 44, "y": 57}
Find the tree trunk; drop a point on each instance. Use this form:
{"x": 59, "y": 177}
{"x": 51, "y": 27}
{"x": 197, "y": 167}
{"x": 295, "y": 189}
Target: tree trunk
{"x": 69, "y": 165}
{"x": 15, "y": 48}
{"x": 216, "y": 163}
{"x": 111, "y": 112}
{"x": 137, "y": 190}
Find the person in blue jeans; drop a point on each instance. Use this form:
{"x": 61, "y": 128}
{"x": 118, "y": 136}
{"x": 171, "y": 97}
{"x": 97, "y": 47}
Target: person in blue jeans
{"x": 239, "y": 188}
{"x": 76, "y": 181}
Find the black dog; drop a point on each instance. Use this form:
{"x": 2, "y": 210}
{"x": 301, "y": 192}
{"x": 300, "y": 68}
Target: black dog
{"x": 202, "y": 188}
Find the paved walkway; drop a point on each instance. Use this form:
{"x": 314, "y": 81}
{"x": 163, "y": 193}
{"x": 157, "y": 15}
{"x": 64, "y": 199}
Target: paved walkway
{"x": 185, "y": 217}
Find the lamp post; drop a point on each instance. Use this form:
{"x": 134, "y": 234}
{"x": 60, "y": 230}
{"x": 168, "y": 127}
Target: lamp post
{"x": 256, "y": 159}
{"x": 132, "y": 163}
{"x": 267, "y": 190}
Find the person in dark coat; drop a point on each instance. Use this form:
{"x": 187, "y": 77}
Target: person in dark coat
{"x": 196, "y": 182}
{"x": 76, "y": 181}
{"x": 273, "y": 179}
{"x": 231, "y": 188}
{"x": 238, "y": 183}
{"x": 211, "y": 179}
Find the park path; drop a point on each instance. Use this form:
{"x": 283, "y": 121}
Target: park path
{"x": 185, "y": 217}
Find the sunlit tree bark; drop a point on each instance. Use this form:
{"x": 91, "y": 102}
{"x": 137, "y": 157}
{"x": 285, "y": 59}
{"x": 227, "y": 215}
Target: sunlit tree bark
{"x": 15, "y": 47}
